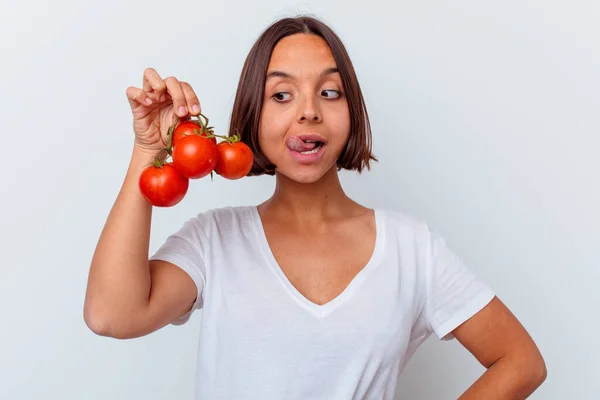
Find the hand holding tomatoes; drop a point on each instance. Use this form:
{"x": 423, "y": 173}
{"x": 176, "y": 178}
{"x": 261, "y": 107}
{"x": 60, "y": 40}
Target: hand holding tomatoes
{"x": 156, "y": 105}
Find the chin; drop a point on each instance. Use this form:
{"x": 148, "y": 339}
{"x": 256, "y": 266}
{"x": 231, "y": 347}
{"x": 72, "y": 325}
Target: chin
{"x": 304, "y": 173}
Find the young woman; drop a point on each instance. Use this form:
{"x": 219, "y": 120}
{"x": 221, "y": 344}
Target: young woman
{"x": 308, "y": 295}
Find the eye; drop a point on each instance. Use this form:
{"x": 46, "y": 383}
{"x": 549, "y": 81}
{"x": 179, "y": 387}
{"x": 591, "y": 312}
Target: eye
{"x": 330, "y": 93}
{"x": 281, "y": 96}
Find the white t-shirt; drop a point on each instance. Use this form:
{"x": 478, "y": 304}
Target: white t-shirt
{"x": 261, "y": 339}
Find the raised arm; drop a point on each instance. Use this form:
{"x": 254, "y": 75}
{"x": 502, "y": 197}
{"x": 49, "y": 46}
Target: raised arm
{"x": 128, "y": 296}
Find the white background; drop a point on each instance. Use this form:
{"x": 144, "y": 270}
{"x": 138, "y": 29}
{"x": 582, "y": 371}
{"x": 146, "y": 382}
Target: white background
{"x": 486, "y": 123}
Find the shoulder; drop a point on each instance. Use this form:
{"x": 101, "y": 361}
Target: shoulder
{"x": 228, "y": 213}
{"x": 208, "y": 226}
{"x": 223, "y": 219}
{"x": 403, "y": 225}
{"x": 409, "y": 230}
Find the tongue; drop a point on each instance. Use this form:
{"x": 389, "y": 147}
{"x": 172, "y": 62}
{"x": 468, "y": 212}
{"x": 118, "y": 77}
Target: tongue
{"x": 298, "y": 145}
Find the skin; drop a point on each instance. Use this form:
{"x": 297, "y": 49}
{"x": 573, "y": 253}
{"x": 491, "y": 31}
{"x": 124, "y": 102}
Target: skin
{"x": 129, "y": 297}
{"x": 321, "y": 222}
{"x": 302, "y": 96}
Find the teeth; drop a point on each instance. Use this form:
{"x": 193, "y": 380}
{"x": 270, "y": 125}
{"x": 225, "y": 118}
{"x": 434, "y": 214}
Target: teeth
{"x": 310, "y": 151}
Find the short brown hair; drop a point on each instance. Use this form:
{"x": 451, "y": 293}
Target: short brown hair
{"x": 245, "y": 116}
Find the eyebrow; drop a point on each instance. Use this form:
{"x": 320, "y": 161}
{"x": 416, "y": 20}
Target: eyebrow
{"x": 285, "y": 75}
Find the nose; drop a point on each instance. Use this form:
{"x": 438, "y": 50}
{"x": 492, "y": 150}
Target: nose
{"x": 309, "y": 110}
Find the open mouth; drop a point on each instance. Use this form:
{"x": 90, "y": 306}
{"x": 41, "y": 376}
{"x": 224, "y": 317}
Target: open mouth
{"x": 311, "y": 147}
{"x": 305, "y": 145}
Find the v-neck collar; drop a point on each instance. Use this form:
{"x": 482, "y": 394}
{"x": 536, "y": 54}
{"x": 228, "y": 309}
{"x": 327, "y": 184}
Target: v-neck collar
{"x": 317, "y": 309}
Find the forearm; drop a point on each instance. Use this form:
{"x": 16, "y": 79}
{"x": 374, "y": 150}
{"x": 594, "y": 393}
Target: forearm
{"x": 507, "y": 379}
{"x": 119, "y": 279}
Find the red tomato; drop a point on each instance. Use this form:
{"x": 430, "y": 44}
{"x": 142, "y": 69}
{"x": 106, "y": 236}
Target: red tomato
{"x": 195, "y": 156}
{"x": 163, "y": 186}
{"x": 235, "y": 160}
{"x": 186, "y": 128}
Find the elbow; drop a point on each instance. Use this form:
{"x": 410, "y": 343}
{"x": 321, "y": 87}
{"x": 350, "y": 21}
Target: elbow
{"x": 533, "y": 372}
{"x": 539, "y": 372}
{"x": 104, "y": 324}
{"x": 98, "y": 322}
{"x": 536, "y": 368}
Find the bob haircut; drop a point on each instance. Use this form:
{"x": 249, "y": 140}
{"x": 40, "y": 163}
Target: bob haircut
{"x": 245, "y": 116}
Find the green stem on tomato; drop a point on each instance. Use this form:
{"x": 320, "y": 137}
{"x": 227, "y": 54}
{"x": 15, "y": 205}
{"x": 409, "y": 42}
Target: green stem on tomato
{"x": 205, "y": 123}
{"x": 214, "y": 135}
{"x": 170, "y": 139}
{"x": 158, "y": 163}
{"x": 204, "y": 128}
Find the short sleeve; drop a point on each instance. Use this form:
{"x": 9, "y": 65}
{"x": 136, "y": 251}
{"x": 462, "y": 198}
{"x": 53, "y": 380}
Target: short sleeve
{"x": 185, "y": 249}
{"x": 454, "y": 292}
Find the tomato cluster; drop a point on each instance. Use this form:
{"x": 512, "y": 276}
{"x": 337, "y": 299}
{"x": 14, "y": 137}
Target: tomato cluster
{"x": 194, "y": 153}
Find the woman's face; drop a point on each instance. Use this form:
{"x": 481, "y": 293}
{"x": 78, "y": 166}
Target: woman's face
{"x": 305, "y": 121}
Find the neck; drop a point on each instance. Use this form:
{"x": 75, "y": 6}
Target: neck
{"x": 309, "y": 201}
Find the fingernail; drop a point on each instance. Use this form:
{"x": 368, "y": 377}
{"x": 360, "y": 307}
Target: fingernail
{"x": 148, "y": 101}
{"x": 196, "y": 108}
{"x": 181, "y": 110}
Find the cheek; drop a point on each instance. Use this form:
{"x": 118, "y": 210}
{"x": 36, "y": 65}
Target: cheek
{"x": 273, "y": 125}
{"x": 270, "y": 129}
{"x": 340, "y": 123}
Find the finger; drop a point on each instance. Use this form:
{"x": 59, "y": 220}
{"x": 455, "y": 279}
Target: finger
{"x": 137, "y": 97}
{"x": 176, "y": 92}
{"x": 154, "y": 85}
{"x": 193, "y": 104}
